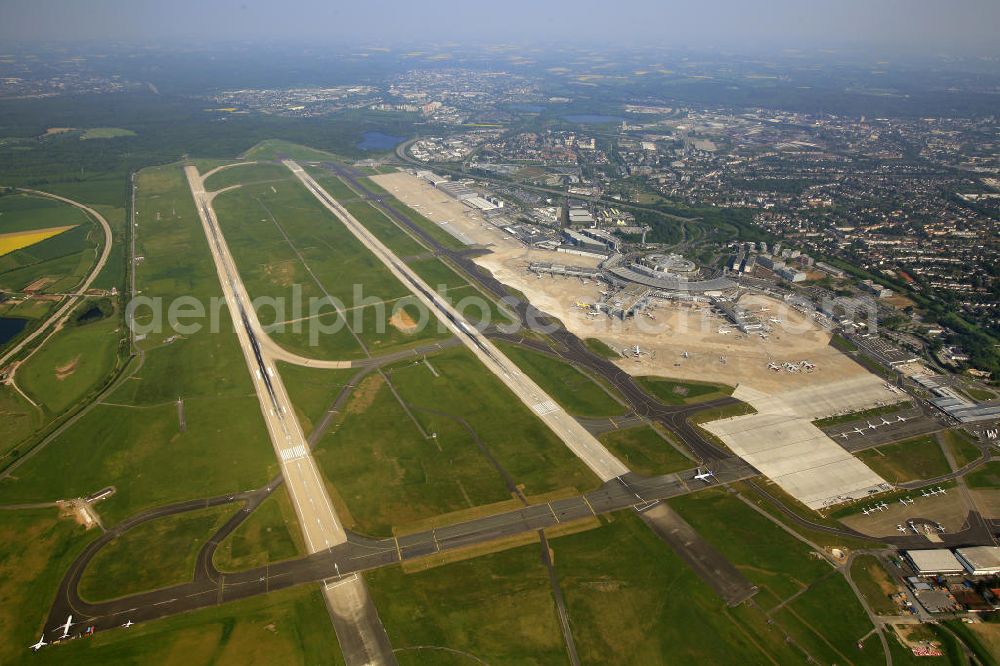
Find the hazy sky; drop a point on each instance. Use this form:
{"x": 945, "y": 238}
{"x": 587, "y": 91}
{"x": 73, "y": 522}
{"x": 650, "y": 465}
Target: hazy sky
{"x": 916, "y": 25}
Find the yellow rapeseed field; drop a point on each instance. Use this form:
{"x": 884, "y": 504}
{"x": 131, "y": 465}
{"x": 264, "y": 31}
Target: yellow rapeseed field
{"x": 22, "y": 239}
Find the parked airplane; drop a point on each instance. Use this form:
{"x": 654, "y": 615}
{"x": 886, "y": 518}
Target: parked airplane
{"x": 65, "y": 627}
{"x": 866, "y": 511}
{"x": 884, "y": 422}
{"x": 725, "y": 331}
{"x": 704, "y": 476}
{"x": 901, "y": 419}
{"x": 940, "y": 527}
{"x": 774, "y": 366}
{"x": 859, "y": 431}
{"x": 774, "y": 320}
{"x": 872, "y": 427}
{"x": 40, "y": 644}
{"x": 901, "y": 529}
{"x": 128, "y": 624}
{"x": 905, "y": 500}
{"x": 913, "y": 526}
{"x": 844, "y": 435}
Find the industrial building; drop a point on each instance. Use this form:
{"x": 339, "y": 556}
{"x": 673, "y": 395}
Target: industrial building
{"x": 980, "y": 560}
{"x": 745, "y": 321}
{"x": 936, "y": 562}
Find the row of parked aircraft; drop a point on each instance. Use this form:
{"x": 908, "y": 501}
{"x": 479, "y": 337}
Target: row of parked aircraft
{"x": 64, "y": 627}
{"x": 791, "y": 367}
{"x": 913, "y": 526}
{"x": 873, "y": 426}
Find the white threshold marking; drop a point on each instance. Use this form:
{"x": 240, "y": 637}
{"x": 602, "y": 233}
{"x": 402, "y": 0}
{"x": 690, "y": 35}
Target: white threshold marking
{"x": 546, "y": 407}
{"x": 293, "y": 453}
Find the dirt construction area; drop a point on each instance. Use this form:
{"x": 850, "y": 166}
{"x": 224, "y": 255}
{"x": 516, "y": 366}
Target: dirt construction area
{"x": 692, "y": 341}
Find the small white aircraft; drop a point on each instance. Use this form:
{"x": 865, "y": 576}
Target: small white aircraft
{"x": 40, "y": 644}
{"x": 882, "y": 506}
{"x": 704, "y": 476}
{"x": 905, "y": 500}
{"x": 866, "y": 511}
{"x": 725, "y": 331}
{"x": 65, "y": 627}
{"x": 901, "y": 419}
{"x": 913, "y": 526}
{"x": 941, "y": 491}
{"x": 128, "y": 624}
{"x": 774, "y": 366}
{"x": 859, "y": 431}
{"x": 900, "y": 528}
{"x": 844, "y": 435}
{"x": 774, "y": 320}
{"x": 940, "y": 527}
{"x": 872, "y": 427}
{"x": 884, "y": 422}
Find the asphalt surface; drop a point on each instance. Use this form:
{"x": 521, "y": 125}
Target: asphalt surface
{"x": 358, "y": 553}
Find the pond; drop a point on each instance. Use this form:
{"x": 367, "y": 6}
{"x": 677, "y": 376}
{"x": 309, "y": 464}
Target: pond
{"x": 379, "y": 141}
{"x": 10, "y": 327}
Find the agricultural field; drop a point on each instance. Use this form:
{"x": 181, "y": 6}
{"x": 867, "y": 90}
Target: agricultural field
{"x": 910, "y": 460}
{"x": 45, "y": 246}
{"x": 18, "y": 419}
{"x": 105, "y": 133}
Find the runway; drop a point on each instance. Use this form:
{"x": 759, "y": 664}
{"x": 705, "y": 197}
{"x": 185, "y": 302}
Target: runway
{"x": 583, "y": 444}
{"x": 352, "y": 612}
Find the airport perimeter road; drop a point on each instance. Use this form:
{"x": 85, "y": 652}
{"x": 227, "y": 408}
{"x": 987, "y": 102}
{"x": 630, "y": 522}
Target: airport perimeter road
{"x": 575, "y": 436}
{"x": 67, "y": 307}
{"x": 320, "y": 525}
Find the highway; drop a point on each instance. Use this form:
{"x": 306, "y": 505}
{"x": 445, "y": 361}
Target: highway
{"x": 361, "y": 635}
{"x": 583, "y": 444}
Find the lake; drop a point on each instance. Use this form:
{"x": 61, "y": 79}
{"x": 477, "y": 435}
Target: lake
{"x": 379, "y": 141}
{"x": 10, "y": 327}
{"x": 592, "y": 119}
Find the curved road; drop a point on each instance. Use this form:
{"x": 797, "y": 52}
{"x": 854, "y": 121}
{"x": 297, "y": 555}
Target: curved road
{"x": 66, "y": 307}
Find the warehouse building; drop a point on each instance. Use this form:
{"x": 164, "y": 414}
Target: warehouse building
{"x": 980, "y": 560}
{"x": 939, "y": 561}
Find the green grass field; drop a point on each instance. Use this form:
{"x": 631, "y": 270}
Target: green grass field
{"x": 673, "y": 392}
{"x": 154, "y": 554}
{"x": 312, "y": 390}
{"x": 987, "y": 476}
{"x": 961, "y": 446}
{"x": 247, "y": 174}
{"x": 874, "y": 582}
{"x": 18, "y": 419}
{"x": 73, "y": 362}
{"x": 825, "y": 620}
{"x": 273, "y": 149}
{"x": 270, "y": 534}
{"x": 286, "y": 627}
{"x": 645, "y": 451}
{"x": 601, "y": 348}
{"x": 376, "y": 443}
{"x": 632, "y": 600}
{"x": 913, "y": 459}
{"x": 496, "y": 608}
{"x": 36, "y": 548}
{"x": 133, "y": 441}
{"x": 575, "y": 391}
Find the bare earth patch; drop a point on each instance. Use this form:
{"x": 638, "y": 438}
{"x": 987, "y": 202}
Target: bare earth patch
{"x": 64, "y": 371}
{"x": 365, "y": 394}
{"x": 403, "y": 322}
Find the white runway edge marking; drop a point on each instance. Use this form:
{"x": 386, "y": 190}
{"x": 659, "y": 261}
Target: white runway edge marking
{"x": 331, "y": 584}
{"x": 293, "y": 453}
{"x": 546, "y": 407}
